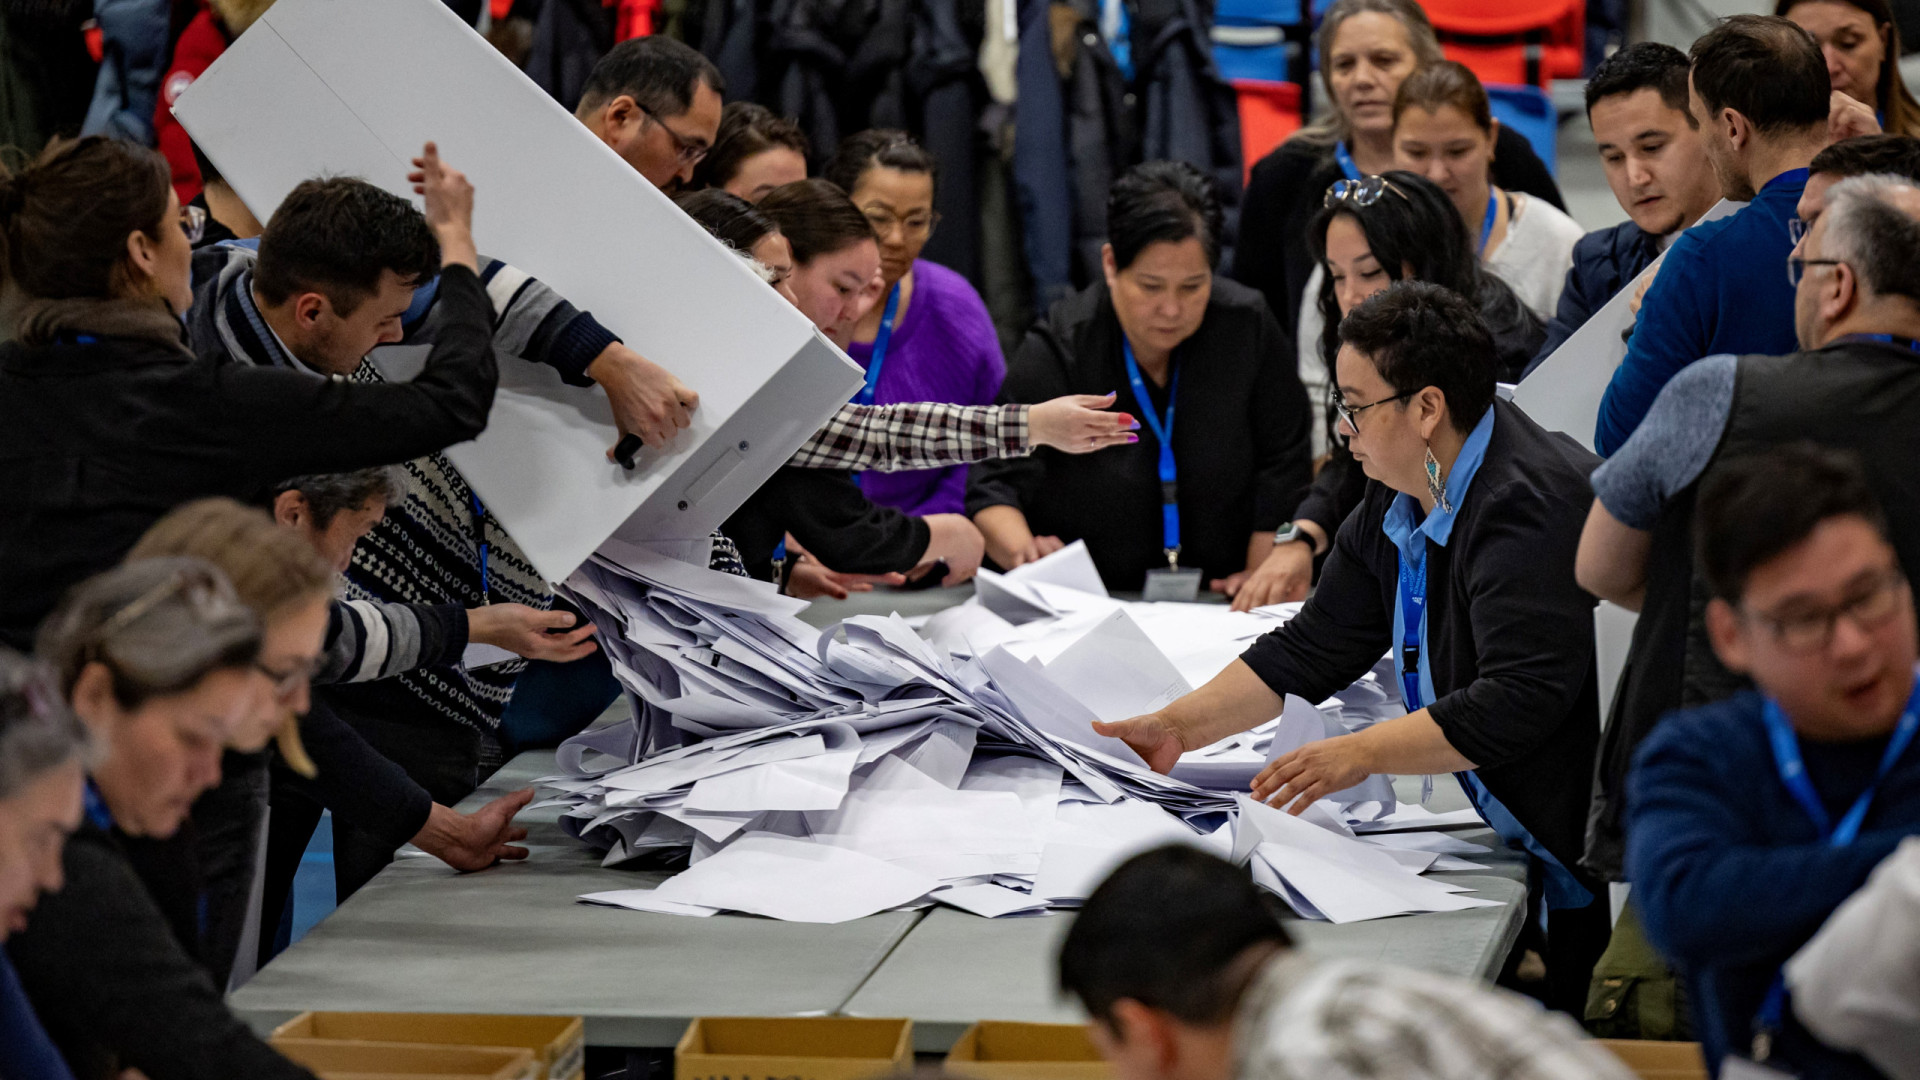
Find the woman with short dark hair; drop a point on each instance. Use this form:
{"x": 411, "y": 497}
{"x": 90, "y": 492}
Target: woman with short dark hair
{"x": 1456, "y": 564}
{"x": 755, "y": 151}
{"x": 1223, "y": 456}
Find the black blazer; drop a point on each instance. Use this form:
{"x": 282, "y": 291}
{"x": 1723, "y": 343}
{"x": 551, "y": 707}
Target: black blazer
{"x": 1240, "y": 437}
{"x": 116, "y": 989}
{"x": 1511, "y": 633}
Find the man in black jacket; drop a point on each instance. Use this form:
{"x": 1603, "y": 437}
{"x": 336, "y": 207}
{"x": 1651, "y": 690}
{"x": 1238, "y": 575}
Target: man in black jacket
{"x": 1456, "y": 560}
{"x": 1655, "y": 162}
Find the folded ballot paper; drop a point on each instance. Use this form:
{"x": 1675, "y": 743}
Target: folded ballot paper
{"x": 824, "y": 775}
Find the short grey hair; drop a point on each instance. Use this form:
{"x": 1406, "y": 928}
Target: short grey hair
{"x": 1880, "y": 241}
{"x": 38, "y": 733}
{"x": 330, "y": 493}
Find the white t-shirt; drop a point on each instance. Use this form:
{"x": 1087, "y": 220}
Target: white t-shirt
{"x": 1314, "y": 375}
{"x": 1537, "y": 253}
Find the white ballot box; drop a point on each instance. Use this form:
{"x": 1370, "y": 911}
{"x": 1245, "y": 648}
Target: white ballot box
{"x": 1563, "y": 393}
{"x": 356, "y": 87}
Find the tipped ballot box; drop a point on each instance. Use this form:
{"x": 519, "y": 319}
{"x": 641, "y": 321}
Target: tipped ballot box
{"x": 793, "y": 1048}
{"x": 1004, "y": 1050}
{"x": 395, "y": 1061}
{"x": 558, "y": 1043}
{"x": 357, "y": 88}
{"x": 1652, "y": 1060}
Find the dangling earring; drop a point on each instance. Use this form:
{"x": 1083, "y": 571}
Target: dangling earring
{"x": 1436, "y": 486}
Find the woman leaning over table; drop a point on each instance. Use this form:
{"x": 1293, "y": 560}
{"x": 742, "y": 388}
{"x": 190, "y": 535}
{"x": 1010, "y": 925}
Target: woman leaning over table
{"x": 1459, "y": 561}
{"x": 158, "y": 658}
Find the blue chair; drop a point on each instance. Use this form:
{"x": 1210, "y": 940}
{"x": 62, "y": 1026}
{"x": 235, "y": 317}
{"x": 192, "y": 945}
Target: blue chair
{"x": 1260, "y": 39}
{"x": 1529, "y": 111}
{"x": 1258, "y": 13}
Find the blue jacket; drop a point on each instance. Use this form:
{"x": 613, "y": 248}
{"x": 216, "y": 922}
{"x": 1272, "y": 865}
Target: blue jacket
{"x": 26, "y": 1051}
{"x": 1722, "y": 289}
{"x": 1604, "y": 262}
{"x": 1731, "y": 876}
{"x": 135, "y": 49}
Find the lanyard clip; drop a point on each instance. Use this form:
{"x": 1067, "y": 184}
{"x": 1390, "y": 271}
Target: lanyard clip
{"x": 1173, "y": 557}
{"x": 1410, "y": 659}
{"x": 1762, "y": 1044}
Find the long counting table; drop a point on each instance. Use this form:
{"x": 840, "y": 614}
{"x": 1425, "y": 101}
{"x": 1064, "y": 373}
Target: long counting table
{"x": 421, "y": 938}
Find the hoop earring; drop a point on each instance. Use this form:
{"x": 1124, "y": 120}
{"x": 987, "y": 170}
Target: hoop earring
{"x": 1436, "y": 485}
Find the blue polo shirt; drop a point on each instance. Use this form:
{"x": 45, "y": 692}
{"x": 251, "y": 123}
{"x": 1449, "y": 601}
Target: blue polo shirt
{"x": 1722, "y": 289}
{"x": 1410, "y": 533}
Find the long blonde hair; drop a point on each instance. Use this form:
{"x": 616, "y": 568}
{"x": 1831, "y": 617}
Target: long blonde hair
{"x": 1420, "y": 38}
{"x": 273, "y": 569}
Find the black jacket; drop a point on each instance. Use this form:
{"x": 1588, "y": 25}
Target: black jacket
{"x": 116, "y": 989}
{"x": 825, "y": 510}
{"x": 1288, "y": 187}
{"x": 1511, "y": 634}
{"x": 100, "y": 438}
{"x": 1240, "y": 439}
{"x": 1603, "y": 262}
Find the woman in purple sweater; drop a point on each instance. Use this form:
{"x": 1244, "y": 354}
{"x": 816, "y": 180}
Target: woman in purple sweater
{"x": 929, "y": 338}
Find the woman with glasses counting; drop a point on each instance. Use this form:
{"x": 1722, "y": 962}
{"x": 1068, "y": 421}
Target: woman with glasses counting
{"x": 929, "y": 338}
{"x": 1457, "y": 563}
{"x": 160, "y": 660}
{"x": 1223, "y": 454}
{"x": 1370, "y": 233}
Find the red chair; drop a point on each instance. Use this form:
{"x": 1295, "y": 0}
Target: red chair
{"x": 1525, "y": 42}
{"x": 1269, "y": 112}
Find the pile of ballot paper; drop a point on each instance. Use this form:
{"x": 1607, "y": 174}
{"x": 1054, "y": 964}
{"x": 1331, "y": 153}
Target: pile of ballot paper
{"x": 824, "y": 775}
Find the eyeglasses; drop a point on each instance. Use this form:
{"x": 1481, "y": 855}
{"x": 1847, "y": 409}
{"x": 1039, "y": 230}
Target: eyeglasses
{"x": 1350, "y": 414}
{"x": 288, "y": 681}
{"x": 1798, "y": 228}
{"x": 1362, "y": 192}
{"x": 1797, "y": 267}
{"x": 686, "y": 151}
{"x": 1812, "y": 631}
{"x": 917, "y": 226}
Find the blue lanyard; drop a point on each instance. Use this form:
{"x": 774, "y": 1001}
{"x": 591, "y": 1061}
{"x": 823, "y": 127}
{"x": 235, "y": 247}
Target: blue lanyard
{"x": 880, "y": 342}
{"x": 1793, "y": 773}
{"x": 480, "y": 537}
{"x": 1413, "y": 615}
{"x": 1341, "y": 155}
{"x": 1163, "y": 431}
{"x": 96, "y": 807}
{"x": 1884, "y": 339}
{"x": 1486, "y": 224}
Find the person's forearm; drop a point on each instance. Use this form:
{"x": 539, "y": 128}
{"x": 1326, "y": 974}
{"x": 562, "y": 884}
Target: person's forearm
{"x": 1612, "y": 559}
{"x": 1006, "y": 531}
{"x": 1412, "y": 744}
{"x": 1230, "y": 702}
{"x": 1259, "y": 546}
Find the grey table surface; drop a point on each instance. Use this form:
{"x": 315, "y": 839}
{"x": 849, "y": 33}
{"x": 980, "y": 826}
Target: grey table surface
{"x": 421, "y": 938}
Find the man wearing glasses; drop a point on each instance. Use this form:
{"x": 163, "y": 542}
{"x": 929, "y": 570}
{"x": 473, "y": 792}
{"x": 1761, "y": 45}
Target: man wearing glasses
{"x": 1856, "y": 276}
{"x": 656, "y": 102}
{"x": 1754, "y": 818}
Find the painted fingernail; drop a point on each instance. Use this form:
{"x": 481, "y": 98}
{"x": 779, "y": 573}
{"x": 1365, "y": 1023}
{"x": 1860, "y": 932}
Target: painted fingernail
{"x": 1132, "y": 424}
{"x": 1131, "y": 439}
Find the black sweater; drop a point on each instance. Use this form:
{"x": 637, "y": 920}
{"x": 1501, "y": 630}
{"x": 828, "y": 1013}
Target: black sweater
{"x": 1288, "y": 187}
{"x": 116, "y": 989}
{"x": 830, "y": 517}
{"x": 1240, "y": 438}
{"x": 100, "y": 438}
{"x": 1511, "y": 633}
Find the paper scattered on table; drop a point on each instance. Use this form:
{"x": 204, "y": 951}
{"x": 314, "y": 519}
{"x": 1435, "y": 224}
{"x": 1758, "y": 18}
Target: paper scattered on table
{"x": 822, "y": 776}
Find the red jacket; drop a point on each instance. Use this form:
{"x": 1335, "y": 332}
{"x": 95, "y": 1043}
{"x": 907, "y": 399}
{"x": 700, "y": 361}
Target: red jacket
{"x": 202, "y": 41}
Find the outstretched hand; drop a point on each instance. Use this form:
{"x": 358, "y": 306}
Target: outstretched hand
{"x": 530, "y": 632}
{"x": 449, "y": 207}
{"x": 1150, "y": 736}
{"x": 1081, "y": 424}
{"x": 476, "y": 841}
{"x": 647, "y": 399}
{"x": 1311, "y": 773}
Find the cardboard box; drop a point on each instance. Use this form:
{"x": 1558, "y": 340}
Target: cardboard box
{"x": 368, "y": 1060}
{"x": 558, "y": 1043}
{"x": 1005, "y": 1050}
{"x": 793, "y": 1048}
{"x": 1652, "y": 1060}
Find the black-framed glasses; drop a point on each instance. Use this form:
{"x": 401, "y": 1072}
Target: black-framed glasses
{"x": 1797, "y": 267}
{"x": 1350, "y": 414}
{"x": 913, "y": 226}
{"x": 1812, "y": 630}
{"x": 1362, "y": 192}
{"x": 288, "y": 681}
{"x": 193, "y": 222}
{"x": 1797, "y": 228}
{"x": 686, "y": 151}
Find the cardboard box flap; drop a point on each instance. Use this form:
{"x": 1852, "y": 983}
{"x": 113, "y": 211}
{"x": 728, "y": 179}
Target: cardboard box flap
{"x": 338, "y": 1059}
{"x": 809, "y": 1048}
{"x": 558, "y": 1042}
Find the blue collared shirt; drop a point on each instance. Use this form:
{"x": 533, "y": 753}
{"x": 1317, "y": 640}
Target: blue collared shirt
{"x": 1411, "y": 534}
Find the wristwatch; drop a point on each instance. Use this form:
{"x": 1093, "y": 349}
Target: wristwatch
{"x": 1291, "y": 531}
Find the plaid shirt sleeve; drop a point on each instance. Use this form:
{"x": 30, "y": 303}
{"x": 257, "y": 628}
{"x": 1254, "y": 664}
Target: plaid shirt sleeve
{"x": 1305, "y": 1019}
{"x": 916, "y": 435}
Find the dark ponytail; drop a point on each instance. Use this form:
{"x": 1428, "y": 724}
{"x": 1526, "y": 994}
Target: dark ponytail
{"x": 64, "y": 219}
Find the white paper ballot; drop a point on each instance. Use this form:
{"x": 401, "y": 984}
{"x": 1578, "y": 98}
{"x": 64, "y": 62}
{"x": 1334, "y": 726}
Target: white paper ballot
{"x": 1563, "y": 393}
{"x": 989, "y": 901}
{"x": 1117, "y": 672}
{"x": 1071, "y": 567}
{"x": 795, "y": 880}
{"x": 357, "y": 87}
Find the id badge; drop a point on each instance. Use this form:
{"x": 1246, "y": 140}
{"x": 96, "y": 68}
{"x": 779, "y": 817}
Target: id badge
{"x": 1735, "y": 1067}
{"x": 1178, "y": 585}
